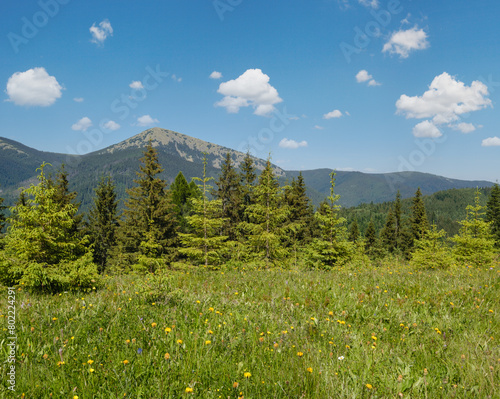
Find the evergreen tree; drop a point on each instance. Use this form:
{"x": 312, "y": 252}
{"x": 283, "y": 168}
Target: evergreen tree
{"x": 266, "y": 217}
{"x": 419, "y": 223}
{"x": 2, "y": 215}
{"x": 248, "y": 177}
{"x": 42, "y": 253}
{"x": 301, "y": 209}
{"x": 181, "y": 193}
{"x": 229, "y": 192}
{"x": 331, "y": 248}
{"x": 370, "y": 239}
{"x": 493, "y": 213}
{"x": 397, "y": 219}
{"x": 103, "y": 222}
{"x": 205, "y": 243}
{"x": 430, "y": 251}
{"x": 354, "y": 232}
{"x": 388, "y": 235}
{"x": 149, "y": 214}
{"x": 474, "y": 243}
{"x": 63, "y": 197}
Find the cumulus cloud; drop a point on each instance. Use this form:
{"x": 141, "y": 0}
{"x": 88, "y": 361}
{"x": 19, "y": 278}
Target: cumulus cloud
{"x": 82, "y": 125}
{"x": 333, "y": 114}
{"x": 369, "y": 3}
{"x": 215, "y": 75}
{"x": 111, "y": 125}
{"x": 403, "y": 42}
{"x": 491, "y": 142}
{"x": 426, "y": 129}
{"x": 364, "y": 76}
{"x": 252, "y": 88}
{"x": 136, "y": 84}
{"x": 292, "y": 144}
{"x": 464, "y": 127}
{"x": 446, "y": 99}
{"x": 101, "y": 32}
{"x": 78, "y": 99}
{"x": 146, "y": 120}
{"x": 34, "y": 87}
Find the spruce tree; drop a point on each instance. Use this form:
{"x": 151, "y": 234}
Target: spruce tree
{"x": 388, "y": 235}
{"x": 248, "y": 177}
{"x": 103, "y": 222}
{"x": 229, "y": 192}
{"x": 493, "y": 213}
{"x": 149, "y": 214}
{"x": 397, "y": 219}
{"x": 431, "y": 251}
{"x": 370, "y": 239}
{"x": 205, "y": 243}
{"x": 419, "y": 223}
{"x": 474, "y": 243}
{"x": 181, "y": 193}
{"x": 63, "y": 196}
{"x": 266, "y": 217}
{"x": 354, "y": 231}
{"x": 301, "y": 209}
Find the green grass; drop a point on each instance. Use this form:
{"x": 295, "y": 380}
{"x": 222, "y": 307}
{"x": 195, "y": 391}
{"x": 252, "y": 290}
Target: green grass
{"x": 362, "y": 333}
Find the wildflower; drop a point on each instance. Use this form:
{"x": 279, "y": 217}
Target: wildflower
{"x": 60, "y": 364}
{"x": 91, "y": 370}
{"x": 491, "y": 311}
{"x": 300, "y": 354}
{"x": 425, "y": 372}
{"x": 261, "y": 339}
{"x": 153, "y": 325}
{"x": 247, "y": 375}
{"x": 179, "y": 341}
{"x": 310, "y": 369}
{"x": 127, "y": 341}
{"x": 341, "y": 357}
{"x": 45, "y": 356}
{"x": 167, "y": 356}
{"x": 54, "y": 318}
{"x": 189, "y": 390}
{"x": 210, "y": 332}
{"x": 275, "y": 345}
{"x": 208, "y": 342}
{"x": 139, "y": 351}
{"x": 235, "y": 385}
{"x": 374, "y": 337}
{"x": 400, "y": 378}
{"x": 167, "y": 330}
{"x": 369, "y": 386}
{"x": 32, "y": 329}
{"x": 90, "y": 361}
{"x": 125, "y": 362}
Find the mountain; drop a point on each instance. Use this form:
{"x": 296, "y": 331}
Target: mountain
{"x": 179, "y": 152}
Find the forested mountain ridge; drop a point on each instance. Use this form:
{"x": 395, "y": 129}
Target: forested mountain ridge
{"x": 179, "y": 152}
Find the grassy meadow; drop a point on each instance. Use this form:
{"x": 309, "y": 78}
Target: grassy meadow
{"x": 353, "y": 332}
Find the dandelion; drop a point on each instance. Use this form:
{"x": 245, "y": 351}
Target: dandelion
{"x": 167, "y": 330}
{"x": 247, "y": 375}
{"x": 374, "y": 337}
{"x": 300, "y": 354}
{"x": 153, "y": 325}
{"x": 167, "y": 356}
{"x": 90, "y": 361}
{"x": 45, "y": 356}
{"x": 235, "y": 385}
{"x": 54, "y": 318}
{"x": 369, "y": 386}
{"x": 179, "y": 341}
{"x": 91, "y": 370}
{"x": 310, "y": 369}
{"x": 208, "y": 342}
{"x": 127, "y": 341}
{"x": 189, "y": 390}
{"x": 60, "y": 364}
{"x": 125, "y": 362}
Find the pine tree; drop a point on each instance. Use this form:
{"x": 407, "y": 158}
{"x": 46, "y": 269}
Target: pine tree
{"x": 301, "y": 209}
{"x": 63, "y": 197}
{"x": 354, "y": 232}
{"x": 103, "y": 222}
{"x": 149, "y": 214}
{"x": 205, "y": 243}
{"x": 181, "y": 193}
{"x": 266, "y": 217}
{"x": 474, "y": 243}
{"x": 229, "y": 192}
{"x": 419, "y": 223}
{"x": 331, "y": 248}
{"x": 370, "y": 239}
{"x": 493, "y": 213}
{"x": 431, "y": 251}
{"x": 42, "y": 251}
{"x": 248, "y": 177}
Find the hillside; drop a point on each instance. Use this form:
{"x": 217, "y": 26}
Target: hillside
{"x": 179, "y": 152}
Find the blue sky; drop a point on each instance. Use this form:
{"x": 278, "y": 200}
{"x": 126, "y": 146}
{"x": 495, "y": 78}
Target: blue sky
{"x": 367, "y": 85}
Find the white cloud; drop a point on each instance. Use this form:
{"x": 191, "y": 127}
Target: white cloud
{"x": 491, "y": 142}
{"x": 369, "y": 3}
{"x": 445, "y": 100}
{"x": 426, "y": 129}
{"x": 318, "y": 127}
{"x": 111, "y": 125}
{"x": 250, "y": 88}
{"x": 215, "y": 75}
{"x": 292, "y": 144}
{"x": 333, "y": 114}
{"x": 82, "y": 125}
{"x": 78, "y": 99}
{"x": 34, "y": 87}
{"x": 146, "y": 120}
{"x": 175, "y": 78}
{"x": 464, "y": 127}
{"x": 101, "y": 32}
{"x": 403, "y": 42}
{"x": 136, "y": 84}
{"x": 363, "y": 76}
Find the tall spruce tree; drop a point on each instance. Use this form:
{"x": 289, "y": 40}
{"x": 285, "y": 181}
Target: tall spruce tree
{"x": 266, "y": 217}
{"x": 493, "y": 213}
{"x": 370, "y": 239}
{"x": 182, "y": 192}
{"x": 301, "y": 209}
{"x": 230, "y": 192}
{"x": 103, "y": 222}
{"x": 149, "y": 214}
{"x": 63, "y": 196}
{"x": 397, "y": 219}
{"x": 205, "y": 244}
{"x": 419, "y": 223}
{"x": 354, "y": 231}
{"x": 388, "y": 235}
{"x": 248, "y": 177}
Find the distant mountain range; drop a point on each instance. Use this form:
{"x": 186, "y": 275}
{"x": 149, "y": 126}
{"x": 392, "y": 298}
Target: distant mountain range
{"x": 179, "y": 152}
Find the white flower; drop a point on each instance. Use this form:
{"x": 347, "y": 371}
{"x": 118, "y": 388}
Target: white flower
{"x": 341, "y": 357}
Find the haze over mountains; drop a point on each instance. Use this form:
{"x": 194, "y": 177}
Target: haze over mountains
{"x": 179, "y": 152}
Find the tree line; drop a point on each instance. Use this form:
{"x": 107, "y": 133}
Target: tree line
{"x": 242, "y": 218}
